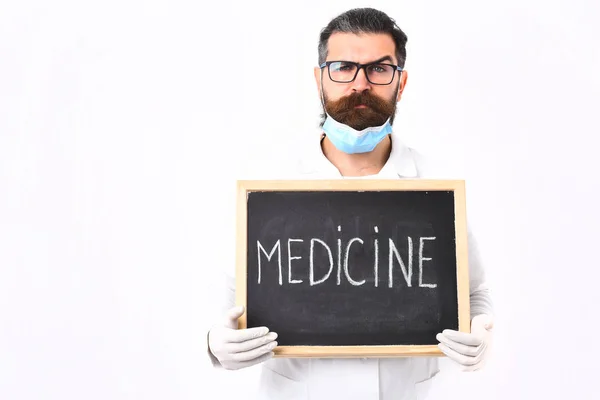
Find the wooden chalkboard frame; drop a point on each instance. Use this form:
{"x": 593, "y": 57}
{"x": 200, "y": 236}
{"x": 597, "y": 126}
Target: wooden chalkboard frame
{"x": 244, "y": 187}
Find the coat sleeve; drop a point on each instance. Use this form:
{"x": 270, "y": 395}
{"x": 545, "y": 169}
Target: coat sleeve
{"x": 479, "y": 292}
{"x": 225, "y": 301}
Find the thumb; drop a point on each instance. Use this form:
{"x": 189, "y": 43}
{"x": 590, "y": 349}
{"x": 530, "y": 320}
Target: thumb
{"x": 486, "y": 321}
{"x": 233, "y": 314}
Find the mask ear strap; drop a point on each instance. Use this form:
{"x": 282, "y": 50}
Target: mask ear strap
{"x": 321, "y": 90}
{"x": 322, "y": 103}
{"x": 399, "y": 84}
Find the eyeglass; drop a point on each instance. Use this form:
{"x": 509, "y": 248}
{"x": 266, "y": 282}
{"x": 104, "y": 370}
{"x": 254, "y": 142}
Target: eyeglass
{"x": 346, "y": 71}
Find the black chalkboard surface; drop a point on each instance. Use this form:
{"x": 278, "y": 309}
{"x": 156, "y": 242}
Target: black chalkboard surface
{"x": 353, "y": 267}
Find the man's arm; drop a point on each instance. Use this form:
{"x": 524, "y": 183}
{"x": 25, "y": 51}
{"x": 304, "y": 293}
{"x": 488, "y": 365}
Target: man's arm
{"x": 232, "y": 348}
{"x": 471, "y": 349}
{"x": 479, "y": 293}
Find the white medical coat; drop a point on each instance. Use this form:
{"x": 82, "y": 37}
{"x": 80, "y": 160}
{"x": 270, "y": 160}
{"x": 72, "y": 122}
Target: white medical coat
{"x": 361, "y": 378}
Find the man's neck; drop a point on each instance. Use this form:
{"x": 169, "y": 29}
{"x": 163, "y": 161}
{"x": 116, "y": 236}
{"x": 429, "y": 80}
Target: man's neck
{"x": 359, "y": 164}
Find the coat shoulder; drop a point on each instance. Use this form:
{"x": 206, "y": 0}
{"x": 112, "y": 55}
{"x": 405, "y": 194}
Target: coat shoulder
{"x": 436, "y": 166}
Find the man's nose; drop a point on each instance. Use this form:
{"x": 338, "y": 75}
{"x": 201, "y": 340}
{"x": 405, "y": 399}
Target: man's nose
{"x": 360, "y": 83}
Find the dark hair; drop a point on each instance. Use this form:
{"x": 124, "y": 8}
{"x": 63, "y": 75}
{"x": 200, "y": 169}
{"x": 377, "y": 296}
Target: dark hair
{"x": 364, "y": 20}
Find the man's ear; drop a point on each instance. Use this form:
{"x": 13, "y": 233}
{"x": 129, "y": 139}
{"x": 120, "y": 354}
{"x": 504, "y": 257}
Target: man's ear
{"x": 403, "y": 78}
{"x": 317, "y": 72}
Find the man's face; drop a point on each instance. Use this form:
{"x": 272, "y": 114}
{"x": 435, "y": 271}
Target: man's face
{"x": 360, "y": 104}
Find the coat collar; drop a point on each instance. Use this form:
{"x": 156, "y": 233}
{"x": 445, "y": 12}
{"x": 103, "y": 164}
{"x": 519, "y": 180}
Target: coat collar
{"x": 400, "y": 163}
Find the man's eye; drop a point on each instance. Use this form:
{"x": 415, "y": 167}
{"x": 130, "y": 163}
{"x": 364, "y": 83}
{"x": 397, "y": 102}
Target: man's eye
{"x": 378, "y": 68}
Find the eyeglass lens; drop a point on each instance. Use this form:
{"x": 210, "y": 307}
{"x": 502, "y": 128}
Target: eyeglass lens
{"x": 344, "y": 72}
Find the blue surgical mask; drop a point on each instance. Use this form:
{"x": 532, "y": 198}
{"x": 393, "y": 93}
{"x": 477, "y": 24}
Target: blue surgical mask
{"x": 349, "y": 140}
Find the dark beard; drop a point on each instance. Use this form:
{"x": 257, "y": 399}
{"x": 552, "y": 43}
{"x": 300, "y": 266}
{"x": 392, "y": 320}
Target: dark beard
{"x": 377, "y": 112}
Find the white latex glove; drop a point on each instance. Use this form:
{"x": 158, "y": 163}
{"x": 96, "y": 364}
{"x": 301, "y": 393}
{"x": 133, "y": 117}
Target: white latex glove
{"x": 240, "y": 348}
{"x": 469, "y": 350}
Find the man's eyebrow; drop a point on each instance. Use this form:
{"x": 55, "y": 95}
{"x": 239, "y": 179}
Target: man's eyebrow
{"x": 379, "y": 60}
{"x": 384, "y": 58}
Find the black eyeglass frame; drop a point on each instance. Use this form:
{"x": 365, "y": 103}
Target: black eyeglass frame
{"x": 358, "y": 68}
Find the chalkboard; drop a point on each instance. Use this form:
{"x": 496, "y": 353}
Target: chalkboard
{"x": 353, "y": 267}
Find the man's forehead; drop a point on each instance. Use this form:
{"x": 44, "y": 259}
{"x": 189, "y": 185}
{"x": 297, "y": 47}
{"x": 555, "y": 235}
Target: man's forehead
{"x": 362, "y": 47}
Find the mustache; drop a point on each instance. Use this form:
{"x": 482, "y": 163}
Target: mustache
{"x": 347, "y": 104}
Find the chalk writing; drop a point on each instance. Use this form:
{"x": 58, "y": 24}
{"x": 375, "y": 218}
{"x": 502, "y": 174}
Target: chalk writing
{"x": 395, "y": 260}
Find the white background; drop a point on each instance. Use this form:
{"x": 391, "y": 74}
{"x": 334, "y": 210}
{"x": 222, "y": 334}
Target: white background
{"x": 122, "y": 125}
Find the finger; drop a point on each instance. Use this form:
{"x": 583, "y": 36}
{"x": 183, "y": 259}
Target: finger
{"x": 470, "y": 351}
{"x": 253, "y": 354}
{"x": 469, "y": 339}
{"x": 457, "y": 357}
{"x": 243, "y": 335}
{"x": 258, "y": 360}
{"x": 252, "y": 343}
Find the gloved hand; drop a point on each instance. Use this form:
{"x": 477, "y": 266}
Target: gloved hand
{"x": 468, "y": 349}
{"x": 240, "y": 348}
